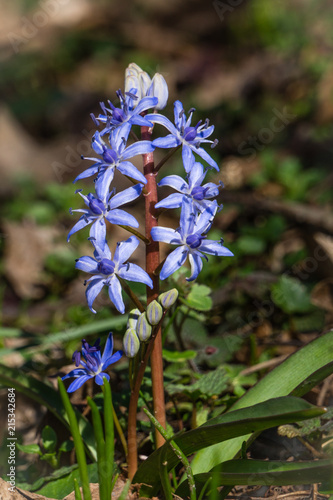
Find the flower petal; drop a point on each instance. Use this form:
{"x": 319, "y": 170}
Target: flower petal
{"x": 108, "y": 349}
{"x": 76, "y": 384}
{"x": 93, "y": 289}
{"x": 179, "y": 114}
{"x": 205, "y": 156}
{"x": 215, "y": 248}
{"x": 176, "y": 182}
{"x": 112, "y": 359}
{"x": 125, "y": 249}
{"x": 103, "y": 182}
{"x": 127, "y": 168}
{"x": 196, "y": 265}
{"x": 171, "y": 201}
{"x": 118, "y": 216}
{"x": 187, "y": 217}
{"x": 98, "y": 232}
{"x": 115, "y": 294}
{"x": 188, "y": 158}
{"x": 174, "y": 261}
{"x": 87, "y": 264}
{"x": 169, "y": 141}
{"x": 162, "y": 120}
{"x": 126, "y": 196}
{"x": 196, "y": 175}
{"x": 88, "y": 172}
{"x": 81, "y": 223}
{"x": 132, "y": 272}
{"x": 166, "y": 234}
{"x": 138, "y": 148}
{"x": 77, "y": 372}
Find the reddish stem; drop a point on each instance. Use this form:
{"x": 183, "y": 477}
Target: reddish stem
{"x": 155, "y": 345}
{"x": 152, "y": 263}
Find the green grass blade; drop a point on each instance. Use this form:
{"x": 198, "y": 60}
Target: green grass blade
{"x": 79, "y": 448}
{"x": 100, "y": 446}
{"x": 109, "y": 435}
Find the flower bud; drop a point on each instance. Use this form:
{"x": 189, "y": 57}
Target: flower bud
{"x": 143, "y": 328}
{"x": 131, "y": 343}
{"x": 154, "y": 312}
{"x": 159, "y": 89}
{"x": 167, "y": 299}
{"x": 133, "y": 318}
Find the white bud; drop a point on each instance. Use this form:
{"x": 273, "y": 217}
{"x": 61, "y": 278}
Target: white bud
{"x": 159, "y": 89}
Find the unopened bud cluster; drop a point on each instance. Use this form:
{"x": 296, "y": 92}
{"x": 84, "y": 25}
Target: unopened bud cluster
{"x": 140, "y": 324}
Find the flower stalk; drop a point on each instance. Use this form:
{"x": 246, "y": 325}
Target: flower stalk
{"x": 152, "y": 263}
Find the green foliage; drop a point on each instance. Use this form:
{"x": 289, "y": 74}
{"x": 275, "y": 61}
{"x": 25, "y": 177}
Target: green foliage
{"x": 291, "y": 295}
{"x": 223, "y": 428}
{"x": 199, "y": 298}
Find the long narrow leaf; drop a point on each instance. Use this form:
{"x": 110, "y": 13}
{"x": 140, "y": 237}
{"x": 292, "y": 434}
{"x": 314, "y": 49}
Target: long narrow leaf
{"x": 260, "y": 472}
{"x": 79, "y": 448}
{"x": 300, "y": 372}
{"x": 237, "y": 423}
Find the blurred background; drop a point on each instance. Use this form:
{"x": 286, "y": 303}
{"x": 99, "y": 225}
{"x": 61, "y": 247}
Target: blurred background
{"x": 262, "y": 72}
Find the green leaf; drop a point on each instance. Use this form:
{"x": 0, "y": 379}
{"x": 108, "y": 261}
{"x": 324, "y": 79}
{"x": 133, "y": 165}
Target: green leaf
{"x": 29, "y": 448}
{"x": 67, "y": 445}
{"x": 296, "y": 375}
{"x": 223, "y": 428}
{"x": 49, "y": 439}
{"x": 47, "y": 396}
{"x": 212, "y": 383}
{"x": 199, "y": 298}
{"x": 59, "y": 488}
{"x": 178, "y": 357}
{"x": 260, "y": 472}
{"x": 291, "y": 295}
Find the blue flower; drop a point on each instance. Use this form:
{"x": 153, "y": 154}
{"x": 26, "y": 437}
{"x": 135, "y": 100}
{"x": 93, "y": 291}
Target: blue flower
{"x": 94, "y": 364}
{"x": 200, "y": 195}
{"x": 100, "y": 207}
{"x": 183, "y": 133}
{"x": 127, "y": 115}
{"x": 190, "y": 239}
{"x": 105, "y": 271}
{"x": 114, "y": 158}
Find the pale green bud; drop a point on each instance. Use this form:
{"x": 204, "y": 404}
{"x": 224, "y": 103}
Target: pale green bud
{"x": 143, "y": 328}
{"x": 133, "y": 318}
{"x": 131, "y": 343}
{"x": 167, "y": 299}
{"x": 154, "y": 312}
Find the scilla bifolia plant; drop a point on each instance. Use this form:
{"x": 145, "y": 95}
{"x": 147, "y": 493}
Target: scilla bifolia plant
{"x": 140, "y": 106}
{"x": 104, "y": 206}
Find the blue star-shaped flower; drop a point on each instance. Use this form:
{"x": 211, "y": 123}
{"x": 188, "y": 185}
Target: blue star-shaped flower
{"x": 108, "y": 208}
{"x": 94, "y": 364}
{"x": 114, "y": 158}
{"x": 190, "y": 239}
{"x": 183, "y": 133}
{"x": 105, "y": 271}
{"x": 128, "y": 114}
{"x": 200, "y": 195}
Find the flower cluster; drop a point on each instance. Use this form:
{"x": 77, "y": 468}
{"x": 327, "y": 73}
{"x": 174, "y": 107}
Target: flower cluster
{"x": 193, "y": 196}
